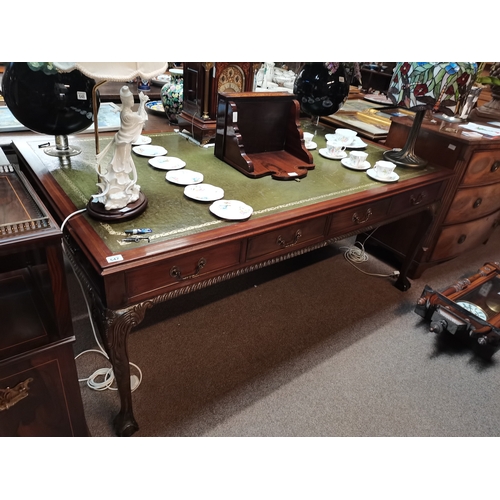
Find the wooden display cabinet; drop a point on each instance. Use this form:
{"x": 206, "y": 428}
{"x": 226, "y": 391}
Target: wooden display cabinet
{"x": 39, "y": 389}
{"x": 470, "y": 209}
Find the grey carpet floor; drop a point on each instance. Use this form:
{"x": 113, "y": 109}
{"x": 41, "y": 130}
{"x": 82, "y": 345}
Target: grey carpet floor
{"x": 310, "y": 347}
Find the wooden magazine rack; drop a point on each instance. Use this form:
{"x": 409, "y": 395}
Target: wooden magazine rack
{"x": 259, "y": 134}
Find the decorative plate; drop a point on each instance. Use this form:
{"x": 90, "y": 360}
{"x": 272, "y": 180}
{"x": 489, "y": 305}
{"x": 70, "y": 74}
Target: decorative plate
{"x": 204, "y": 192}
{"x": 378, "y": 98}
{"x": 184, "y": 177}
{"x": 161, "y": 80}
{"x": 231, "y": 209}
{"x": 141, "y": 140}
{"x": 167, "y": 163}
{"x": 149, "y": 150}
{"x": 155, "y": 107}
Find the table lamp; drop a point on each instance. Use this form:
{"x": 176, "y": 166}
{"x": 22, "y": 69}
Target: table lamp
{"x": 49, "y": 102}
{"x": 423, "y": 86}
{"x": 119, "y": 196}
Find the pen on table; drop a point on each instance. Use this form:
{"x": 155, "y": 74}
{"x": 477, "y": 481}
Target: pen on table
{"x": 136, "y": 239}
{"x": 138, "y": 231}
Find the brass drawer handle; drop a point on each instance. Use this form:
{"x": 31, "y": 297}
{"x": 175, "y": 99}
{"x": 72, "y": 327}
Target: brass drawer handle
{"x": 462, "y": 239}
{"x": 357, "y": 220}
{"x": 9, "y": 397}
{"x": 175, "y": 272}
{"x": 477, "y": 203}
{"x": 495, "y": 166}
{"x": 283, "y": 244}
{"x": 416, "y": 200}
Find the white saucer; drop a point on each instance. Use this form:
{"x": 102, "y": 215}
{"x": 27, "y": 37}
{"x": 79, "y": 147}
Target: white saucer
{"x": 392, "y": 178}
{"x": 231, "y": 209}
{"x": 364, "y": 166}
{"x": 167, "y": 162}
{"x": 148, "y": 150}
{"x": 141, "y": 140}
{"x": 357, "y": 144}
{"x": 324, "y": 152}
{"x": 204, "y": 192}
{"x": 184, "y": 177}
{"x": 312, "y": 145}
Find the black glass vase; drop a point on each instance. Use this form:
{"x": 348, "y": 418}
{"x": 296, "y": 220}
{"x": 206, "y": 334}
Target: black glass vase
{"x": 54, "y": 104}
{"x": 319, "y": 92}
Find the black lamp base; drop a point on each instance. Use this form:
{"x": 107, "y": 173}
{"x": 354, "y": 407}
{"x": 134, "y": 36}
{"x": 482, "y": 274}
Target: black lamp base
{"x": 406, "y": 157}
{"x": 403, "y": 158}
{"x": 98, "y": 212}
{"x": 62, "y": 148}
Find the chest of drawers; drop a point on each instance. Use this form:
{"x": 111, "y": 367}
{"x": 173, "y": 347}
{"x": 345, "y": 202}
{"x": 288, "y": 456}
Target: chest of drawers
{"x": 470, "y": 208}
{"x": 39, "y": 389}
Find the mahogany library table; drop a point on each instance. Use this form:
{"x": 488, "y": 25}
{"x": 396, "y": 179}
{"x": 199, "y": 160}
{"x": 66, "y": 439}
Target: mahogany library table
{"x": 190, "y": 248}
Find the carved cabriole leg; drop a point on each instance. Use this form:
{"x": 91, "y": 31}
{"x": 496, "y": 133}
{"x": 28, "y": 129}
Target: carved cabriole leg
{"x": 114, "y": 330}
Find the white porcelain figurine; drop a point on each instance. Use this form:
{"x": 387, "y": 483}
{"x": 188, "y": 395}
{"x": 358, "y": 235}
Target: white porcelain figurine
{"x": 118, "y": 180}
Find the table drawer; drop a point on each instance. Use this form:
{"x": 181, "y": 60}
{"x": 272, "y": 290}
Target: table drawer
{"x": 351, "y": 220}
{"x": 419, "y": 196}
{"x": 473, "y": 203}
{"x": 459, "y": 238}
{"x": 285, "y": 239}
{"x": 183, "y": 269}
{"x": 484, "y": 168}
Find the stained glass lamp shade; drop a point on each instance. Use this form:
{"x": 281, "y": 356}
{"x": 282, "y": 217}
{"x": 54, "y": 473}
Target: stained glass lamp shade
{"x": 422, "y": 86}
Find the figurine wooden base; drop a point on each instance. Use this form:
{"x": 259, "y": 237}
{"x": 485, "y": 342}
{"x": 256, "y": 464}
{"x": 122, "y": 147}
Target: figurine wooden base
{"x": 131, "y": 211}
{"x": 259, "y": 134}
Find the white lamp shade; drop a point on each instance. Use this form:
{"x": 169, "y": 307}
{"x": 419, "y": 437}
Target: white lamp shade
{"x": 115, "y": 71}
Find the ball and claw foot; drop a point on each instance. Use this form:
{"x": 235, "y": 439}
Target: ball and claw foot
{"x": 125, "y": 425}
{"x": 402, "y": 284}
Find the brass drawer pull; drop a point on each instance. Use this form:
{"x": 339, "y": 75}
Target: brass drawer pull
{"x": 357, "y": 220}
{"x": 416, "y": 200}
{"x": 495, "y": 166}
{"x": 175, "y": 272}
{"x": 477, "y": 203}
{"x": 283, "y": 244}
{"x": 462, "y": 239}
{"x": 9, "y": 397}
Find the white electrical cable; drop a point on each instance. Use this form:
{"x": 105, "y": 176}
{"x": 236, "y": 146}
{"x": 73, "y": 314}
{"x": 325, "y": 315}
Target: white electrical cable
{"x": 107, "y": 374}
{"x": 356, "y": 254}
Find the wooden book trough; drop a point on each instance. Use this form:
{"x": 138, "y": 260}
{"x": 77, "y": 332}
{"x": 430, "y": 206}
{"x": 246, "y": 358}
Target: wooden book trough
{"x": 259, "y": 134}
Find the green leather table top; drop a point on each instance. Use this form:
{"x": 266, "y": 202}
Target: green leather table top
{"x": 170, "y": 214}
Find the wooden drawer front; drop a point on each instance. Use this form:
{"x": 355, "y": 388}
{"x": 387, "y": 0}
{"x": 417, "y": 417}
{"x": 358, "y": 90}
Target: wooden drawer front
{"x": 484, "y": 168}
{"x": 351, "y": 220}
{"x": 182, "y": 269}
{"x": 287, "y": 238}
{"x": 459, "y": 238}
{"x": 38, "y": 396}
{"x": 472, "y": 203}
{"x": 421, "y": 196}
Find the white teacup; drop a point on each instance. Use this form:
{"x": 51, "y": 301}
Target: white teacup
{"x": 346, "y": 135}
{"x": 357, "y": 158}
{"x": 308, "y": 137}
{"x": 384, "y": 168}
{"x": 335, "y": 148}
